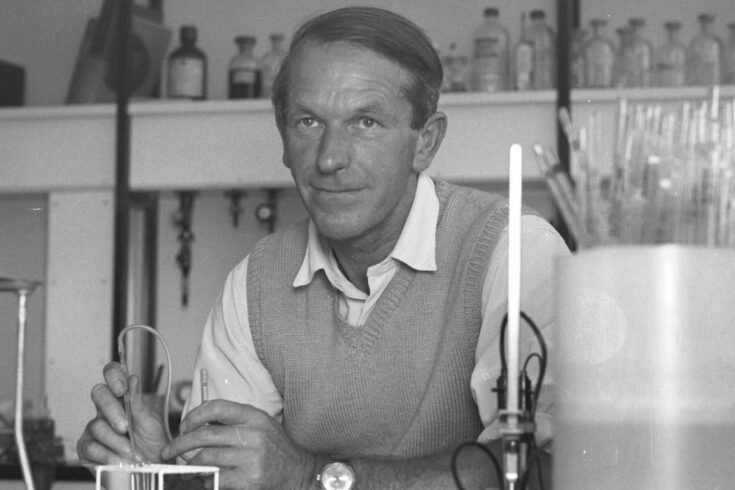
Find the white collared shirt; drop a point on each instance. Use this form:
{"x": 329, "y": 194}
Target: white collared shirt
{"x": 236, "y": 373}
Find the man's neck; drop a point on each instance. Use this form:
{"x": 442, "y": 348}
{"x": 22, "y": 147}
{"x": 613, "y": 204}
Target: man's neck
{"x": 354, "y": 260}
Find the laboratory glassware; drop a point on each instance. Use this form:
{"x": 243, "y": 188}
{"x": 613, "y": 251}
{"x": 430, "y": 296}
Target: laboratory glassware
{"x": 577, "y": 61}
{"x": 670, "y": 58}
{"x": 543, "y": 41}
{"x": 490, "y": 53}
{"x": 270, "y": 62}
{"x": 187, "y": 67}
{"x": 704, "y": 55}
{"x": 243, "y": 72}
{"x": 599, "y": 54}
{"x": 729, "y": 56}
{"x": 643, "y": 379}
{"x": 639, "y": 56}
{"x": 621, "y": 52}
{"x": 523, "y": 59}
{"x": 22, "y": 288}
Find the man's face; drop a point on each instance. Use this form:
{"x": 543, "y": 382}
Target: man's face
{"x": 348, "y": 140}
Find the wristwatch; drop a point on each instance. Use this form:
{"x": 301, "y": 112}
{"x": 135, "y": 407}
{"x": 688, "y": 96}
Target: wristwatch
{"x": 336, "y": 476}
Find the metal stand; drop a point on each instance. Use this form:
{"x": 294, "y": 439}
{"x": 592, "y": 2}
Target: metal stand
{"x": 23, "y": 289}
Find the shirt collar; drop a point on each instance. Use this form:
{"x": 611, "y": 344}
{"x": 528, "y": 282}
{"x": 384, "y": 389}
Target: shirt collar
{"x": 416, "y": 245}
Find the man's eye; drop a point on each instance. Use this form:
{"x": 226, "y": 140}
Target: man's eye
{"x": 368, "y": 122}
{"x": 307, "y": 122}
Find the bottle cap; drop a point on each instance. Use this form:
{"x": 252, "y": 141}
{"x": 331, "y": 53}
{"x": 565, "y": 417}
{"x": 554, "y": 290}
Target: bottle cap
{"x": 491, "y": 12}
{"x": 672, "y": 24}
{"x": 188, "y": 33}
{"x": 637, "y": 21}
{"x": 537, "y": 14}
{"x": 245, "y": 40}
{"x": 706, "y": 17}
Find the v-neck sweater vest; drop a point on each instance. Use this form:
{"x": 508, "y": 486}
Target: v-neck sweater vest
{"x": 398, "y": 385}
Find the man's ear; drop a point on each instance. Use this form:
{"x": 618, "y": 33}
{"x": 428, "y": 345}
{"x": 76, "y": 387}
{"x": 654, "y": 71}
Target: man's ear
{"x": 429, "y": 139}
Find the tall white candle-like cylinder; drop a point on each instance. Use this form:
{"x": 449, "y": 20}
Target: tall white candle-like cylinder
{"x": 515, "y": 185}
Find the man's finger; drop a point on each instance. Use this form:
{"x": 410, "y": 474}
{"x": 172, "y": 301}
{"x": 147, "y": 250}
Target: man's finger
{"x": 92, "y": 453}
{"x": 115, "y": 378}
{"x": 201, "y": 437}
{"x": 110, "y": 408}
{"x": 223, "y": 412}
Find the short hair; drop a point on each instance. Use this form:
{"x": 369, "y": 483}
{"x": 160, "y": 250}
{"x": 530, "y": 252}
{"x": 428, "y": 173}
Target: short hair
{"x": 385, "y": 33}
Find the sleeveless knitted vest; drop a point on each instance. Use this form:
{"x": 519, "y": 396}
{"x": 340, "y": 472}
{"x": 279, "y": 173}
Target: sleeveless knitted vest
{"x": 399, "y": 385}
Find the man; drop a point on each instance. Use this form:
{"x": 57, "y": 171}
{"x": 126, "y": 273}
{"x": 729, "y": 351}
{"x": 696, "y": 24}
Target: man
{"x": 369, "y": 335}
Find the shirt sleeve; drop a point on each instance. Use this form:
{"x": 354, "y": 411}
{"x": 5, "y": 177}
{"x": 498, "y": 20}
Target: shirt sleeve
{"x": 228, "y": 354}
{"x": 541, "y": 245}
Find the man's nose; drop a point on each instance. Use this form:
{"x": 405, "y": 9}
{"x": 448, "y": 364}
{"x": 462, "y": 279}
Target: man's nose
{"x": 333, "y": 150}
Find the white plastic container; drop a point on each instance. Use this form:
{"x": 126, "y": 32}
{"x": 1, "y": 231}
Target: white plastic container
{"x": 644, "y": 369}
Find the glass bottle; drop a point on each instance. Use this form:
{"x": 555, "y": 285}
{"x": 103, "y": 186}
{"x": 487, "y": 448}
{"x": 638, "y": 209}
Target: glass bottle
{"x": 187, "y": 67}
{"x": 455, "y": 70}
{"x": 523, "y": 59}
{"x": 243, "y": 72}
{"x": 670, "y": 58}
{"x": 639, "y": 59}
{"x": 729, "y": 57}
{"x": 620, "y": 73}
{"x": 599, "y": 54}
{"x": 576, "y": 62}
{"x": 270, "y": 62}
{"x": 490, "y": 54}
{"x": 544, "y": 51}
{"x": 704, "y": 55}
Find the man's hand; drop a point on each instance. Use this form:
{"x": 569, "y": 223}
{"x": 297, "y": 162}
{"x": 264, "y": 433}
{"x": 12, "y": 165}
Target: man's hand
{"x": 250, "y": 447}
{"x": 105, "y": 439}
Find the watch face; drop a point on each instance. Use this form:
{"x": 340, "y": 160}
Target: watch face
{"x": 337, "y": 476}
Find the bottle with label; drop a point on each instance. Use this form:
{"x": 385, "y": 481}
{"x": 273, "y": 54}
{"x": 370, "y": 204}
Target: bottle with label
{"x": 729, "y": 57}
{"x": 704, "y": 54}
{"x": 187, "y": 67}
{"x": 599, "y": 55}
{"x": 490, "y": 49}
{"x": 638, "y": 56}
{"x": 544, "y": 51}
{"x": 270, "y": 62}
{"x": 670, "y": 58}
{"x": 523, "y": 59}
{"x": 243, "y": 74}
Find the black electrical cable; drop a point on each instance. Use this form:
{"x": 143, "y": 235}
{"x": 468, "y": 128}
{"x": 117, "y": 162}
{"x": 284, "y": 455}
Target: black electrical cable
{"x": 542, "y": 346}
{"x": 484, "y": 449}
{"x": 537, "y": 388}
{"x": 542, "y": 357}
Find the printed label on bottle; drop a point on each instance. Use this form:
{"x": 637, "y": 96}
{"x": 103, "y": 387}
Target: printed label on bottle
{"x": 487, "y": 47}
{"x": 243, "y": 75}
{"x": 488, "y": 71}
{"x": 186, "y": 78}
